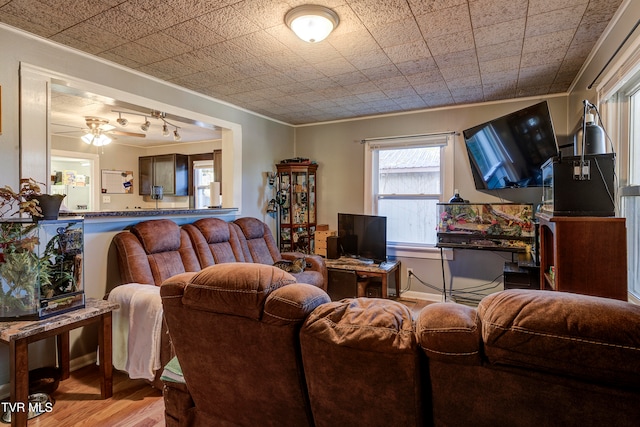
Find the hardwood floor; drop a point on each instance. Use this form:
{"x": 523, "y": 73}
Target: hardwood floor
{"x": 77, "y": 403}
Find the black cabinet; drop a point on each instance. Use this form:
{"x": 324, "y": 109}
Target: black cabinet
{"x": 171, "y": 171}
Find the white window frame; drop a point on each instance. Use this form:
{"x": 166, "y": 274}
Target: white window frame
{"x": 614, "y": 91}
{"x": 446, "y": 141}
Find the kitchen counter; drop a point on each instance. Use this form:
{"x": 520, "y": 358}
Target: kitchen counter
{"x": 151, "y": 212}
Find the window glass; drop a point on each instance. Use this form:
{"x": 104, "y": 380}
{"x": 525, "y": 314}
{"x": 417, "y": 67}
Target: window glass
{"x": 407, "y": 184}
{"x": 634, "y": 140}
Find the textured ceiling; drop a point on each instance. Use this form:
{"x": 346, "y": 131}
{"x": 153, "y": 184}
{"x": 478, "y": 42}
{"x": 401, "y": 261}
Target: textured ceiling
{"x": 385, "y": 56}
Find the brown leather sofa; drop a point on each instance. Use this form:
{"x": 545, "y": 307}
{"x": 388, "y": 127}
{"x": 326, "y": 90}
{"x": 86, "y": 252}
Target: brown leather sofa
{"x": 153, "y": 251}
{"x": 533, "y": 358}
{"x": 362, "y": 366}
{"x": 522, "y": 358}
{"x": 235, "y": 330}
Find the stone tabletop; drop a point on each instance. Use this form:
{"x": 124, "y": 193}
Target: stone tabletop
{"x": 346, "y": 263}
{"x": 12, "y": 331}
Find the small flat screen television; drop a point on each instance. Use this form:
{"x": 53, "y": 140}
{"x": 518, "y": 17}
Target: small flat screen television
{"x": 363, "y": 236}
{"x": 508, "y": 152}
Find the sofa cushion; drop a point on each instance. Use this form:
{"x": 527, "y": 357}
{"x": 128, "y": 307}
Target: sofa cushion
{"x": 361, "y": 363}
{"x": 161, "y": 235}
{"x": 451, "y": 333}
{"x": 215, "y": 241}
{"x": 568, "y": 334}
{"x": 154, "y": 250}
{"x": 258, "y": 243}
{"x": 364, "y": 323}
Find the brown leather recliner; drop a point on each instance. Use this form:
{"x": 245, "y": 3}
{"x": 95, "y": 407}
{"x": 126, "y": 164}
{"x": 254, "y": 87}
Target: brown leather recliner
{"x": 533, "y": 358}
{"x": 362, "y": 364}
{"x": 235, "y": 328}
{"x": 153, "y": 251}
{"x": 258, "y": 245}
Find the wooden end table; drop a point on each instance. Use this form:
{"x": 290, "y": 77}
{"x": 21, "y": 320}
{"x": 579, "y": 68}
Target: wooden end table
{"x": 364, "y": 271}
{"x": 19, "y": 334}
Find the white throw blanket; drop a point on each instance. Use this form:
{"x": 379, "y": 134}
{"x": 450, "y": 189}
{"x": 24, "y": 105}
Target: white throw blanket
{"x": 137, "y": 327}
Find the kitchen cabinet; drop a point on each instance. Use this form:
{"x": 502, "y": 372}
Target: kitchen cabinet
{"x": 171, "y": 171}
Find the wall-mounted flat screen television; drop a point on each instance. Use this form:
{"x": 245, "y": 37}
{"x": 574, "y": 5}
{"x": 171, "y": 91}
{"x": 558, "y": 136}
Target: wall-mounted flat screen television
{"x": 363, "y": 236}
{"x": 508, "y": 152}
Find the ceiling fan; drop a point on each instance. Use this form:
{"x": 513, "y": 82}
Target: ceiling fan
{"x": 98, "y": 130}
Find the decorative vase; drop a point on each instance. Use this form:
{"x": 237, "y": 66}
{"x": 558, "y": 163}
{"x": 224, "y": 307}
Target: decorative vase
{"x": 49, "y": 204}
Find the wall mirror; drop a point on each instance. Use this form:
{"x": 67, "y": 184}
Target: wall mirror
{"x": 81, "y": 116}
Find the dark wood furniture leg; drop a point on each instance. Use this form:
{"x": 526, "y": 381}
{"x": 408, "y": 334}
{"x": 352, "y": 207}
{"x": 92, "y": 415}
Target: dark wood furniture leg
{"x": 19, "y": 379}
{"x": 62, "y": 343}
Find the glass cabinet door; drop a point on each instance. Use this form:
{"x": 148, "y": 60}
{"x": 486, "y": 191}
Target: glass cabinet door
{"x": 298, "y": 214}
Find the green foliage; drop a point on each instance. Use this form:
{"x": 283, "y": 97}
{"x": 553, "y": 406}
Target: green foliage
{"x": 24, "y": 275}
{"x": 22, "y": 271}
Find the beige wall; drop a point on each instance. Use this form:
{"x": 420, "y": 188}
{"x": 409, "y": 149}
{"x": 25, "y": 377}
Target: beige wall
{"x": 334, "y": 145}
{"x": 340, "y": 155}
{"x": 264, "y": 143}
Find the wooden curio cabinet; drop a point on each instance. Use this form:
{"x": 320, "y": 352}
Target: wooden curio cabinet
{"x": 297, "y": 181}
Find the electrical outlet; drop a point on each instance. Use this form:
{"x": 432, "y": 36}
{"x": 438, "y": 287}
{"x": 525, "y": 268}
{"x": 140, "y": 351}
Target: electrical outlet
{"x": 106, "y": 199}
{"x": 410, "y": 272}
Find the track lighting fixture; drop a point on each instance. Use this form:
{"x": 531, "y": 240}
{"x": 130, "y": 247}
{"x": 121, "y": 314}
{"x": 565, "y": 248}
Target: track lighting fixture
{"x": 147, "y": 124}
{"x": 122, "y": 122}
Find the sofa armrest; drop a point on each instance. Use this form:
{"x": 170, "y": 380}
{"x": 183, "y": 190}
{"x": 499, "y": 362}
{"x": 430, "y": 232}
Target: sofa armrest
{"x": 293, "y": 303}
{"x": 450, "y": 333}
{"x": 315, "y": 262}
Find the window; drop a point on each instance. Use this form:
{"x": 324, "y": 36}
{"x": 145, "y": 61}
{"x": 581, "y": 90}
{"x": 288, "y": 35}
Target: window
{"x": 406, "y": 177}
{"x": 630, "y": 195}
{"x": 621, "y": 95}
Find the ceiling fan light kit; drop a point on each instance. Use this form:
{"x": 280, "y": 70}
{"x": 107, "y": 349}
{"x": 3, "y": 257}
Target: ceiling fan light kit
{"x": 312, "y": 23}
{"x": 96, "y": 138}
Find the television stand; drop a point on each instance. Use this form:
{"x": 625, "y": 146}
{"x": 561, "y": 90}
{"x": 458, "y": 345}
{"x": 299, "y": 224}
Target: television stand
{"x": 357, "y": 282}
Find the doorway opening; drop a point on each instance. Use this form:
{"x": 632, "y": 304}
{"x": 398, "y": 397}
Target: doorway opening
{"x": 76, "y": 176}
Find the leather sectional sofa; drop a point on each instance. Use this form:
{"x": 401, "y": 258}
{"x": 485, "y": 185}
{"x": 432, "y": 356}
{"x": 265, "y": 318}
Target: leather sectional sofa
{"x": 152, "y": 251}
{"x": 257, "y": 349}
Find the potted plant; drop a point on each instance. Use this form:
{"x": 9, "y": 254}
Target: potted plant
{"x": 24, "y": 199}
{"x": 30, "y": 200}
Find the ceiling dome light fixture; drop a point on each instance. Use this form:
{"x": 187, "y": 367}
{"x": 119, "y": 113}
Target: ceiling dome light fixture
{"x": 312, "y": 23}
